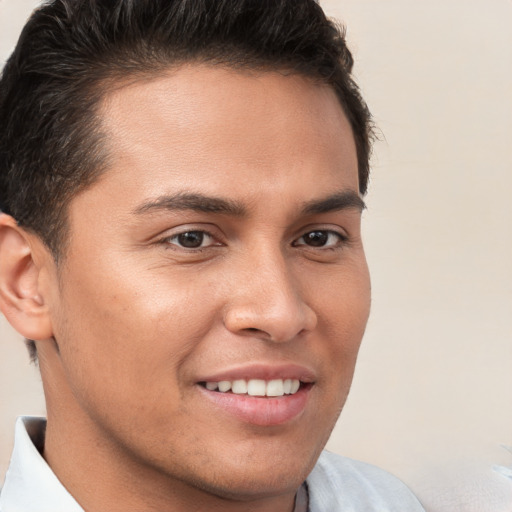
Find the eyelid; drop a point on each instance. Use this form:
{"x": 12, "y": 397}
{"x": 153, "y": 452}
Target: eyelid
{"x": 168, "y": 239}
{"x": 341, "y": 237}
{"x": 206, "y": 236}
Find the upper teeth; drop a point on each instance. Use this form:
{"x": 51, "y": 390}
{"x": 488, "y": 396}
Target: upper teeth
{"x": 256, "y": 387}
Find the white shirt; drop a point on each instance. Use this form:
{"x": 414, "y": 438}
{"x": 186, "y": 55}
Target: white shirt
{"x": 336, "y": 484}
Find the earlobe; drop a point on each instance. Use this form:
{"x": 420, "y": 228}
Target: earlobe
{"x": 21, "y": 299}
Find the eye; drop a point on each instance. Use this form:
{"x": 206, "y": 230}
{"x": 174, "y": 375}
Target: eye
{"x": 192, "y": 240}
{"x": 321, "y": 238}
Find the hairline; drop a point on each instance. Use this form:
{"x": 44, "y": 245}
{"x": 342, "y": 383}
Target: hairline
{"x": 104, "y": 87}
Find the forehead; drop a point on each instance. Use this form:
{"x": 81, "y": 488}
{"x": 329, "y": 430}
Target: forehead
{"x": 211, "y": 129}
{"x": 214, "y": 94}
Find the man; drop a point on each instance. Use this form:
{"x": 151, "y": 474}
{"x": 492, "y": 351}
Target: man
{"x": 181, "y": 187}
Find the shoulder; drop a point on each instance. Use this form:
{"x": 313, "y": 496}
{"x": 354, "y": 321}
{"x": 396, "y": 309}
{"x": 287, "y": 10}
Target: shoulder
{"x": 345, "y": 485}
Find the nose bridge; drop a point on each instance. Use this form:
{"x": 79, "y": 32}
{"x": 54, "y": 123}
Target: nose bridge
{"x": 269, "y": 300}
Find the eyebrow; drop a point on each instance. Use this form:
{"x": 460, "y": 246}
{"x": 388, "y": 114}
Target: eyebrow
{"x": 195, "y": 202}
{"x": 345, "y": 200}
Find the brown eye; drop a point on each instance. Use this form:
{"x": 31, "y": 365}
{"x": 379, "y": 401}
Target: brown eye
{"x": 192, "y": 240}
{"x": 322, "y": 239}
{"x": 316, "y": 238}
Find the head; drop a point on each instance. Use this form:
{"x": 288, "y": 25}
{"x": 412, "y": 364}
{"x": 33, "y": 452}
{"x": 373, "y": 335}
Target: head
{"x": 71, "y": 53}
{"x": 182, "y": 182}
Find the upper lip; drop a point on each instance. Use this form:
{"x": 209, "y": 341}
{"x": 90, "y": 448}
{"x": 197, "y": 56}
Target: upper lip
{"x": 263, "y": 371}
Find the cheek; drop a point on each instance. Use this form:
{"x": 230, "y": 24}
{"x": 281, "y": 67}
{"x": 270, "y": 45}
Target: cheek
{"x": 119, "y": 334}
{"x": 344, "y": 303}
{"x": 343, "y": 314}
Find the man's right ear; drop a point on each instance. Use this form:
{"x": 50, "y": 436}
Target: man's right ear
{"x": 22, "y": 299}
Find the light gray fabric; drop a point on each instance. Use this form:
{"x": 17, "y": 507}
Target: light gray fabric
{"x": 301, "y": 499}
{"x": 339, "y": 484}
{"x": 336, "y": 484}
{"x": 469, "y": 486}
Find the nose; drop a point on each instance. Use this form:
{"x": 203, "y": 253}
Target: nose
{"x": 267, "y": 302}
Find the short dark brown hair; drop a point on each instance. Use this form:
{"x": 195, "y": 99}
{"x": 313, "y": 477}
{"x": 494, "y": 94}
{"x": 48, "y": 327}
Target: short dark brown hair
{"x": 71, "y": 50}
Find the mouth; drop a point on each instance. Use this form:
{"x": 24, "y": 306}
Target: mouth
{"x": 257, "y": 387}
{"x": 258, "y": 395}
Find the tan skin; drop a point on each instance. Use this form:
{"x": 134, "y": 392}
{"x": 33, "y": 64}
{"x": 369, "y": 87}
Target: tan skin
{"x": 132, "y": 319}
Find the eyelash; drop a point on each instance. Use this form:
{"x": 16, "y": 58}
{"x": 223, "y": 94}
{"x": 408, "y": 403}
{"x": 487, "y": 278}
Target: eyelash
{"x": 341, "y": 240}
{"x": 204, "y": 234}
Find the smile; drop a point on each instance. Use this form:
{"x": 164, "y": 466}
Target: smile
{"x": 256, "y": 387}
{"x": 258, "y": 401}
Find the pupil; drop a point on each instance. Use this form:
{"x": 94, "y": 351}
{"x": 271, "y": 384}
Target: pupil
{"x": 316, "y": 238}
{"x": 191, "y": 240}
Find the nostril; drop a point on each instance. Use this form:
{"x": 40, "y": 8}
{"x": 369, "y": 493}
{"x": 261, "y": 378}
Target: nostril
{"x": 254, "y": 331}
{"x": 279, "y": 322}
{"x": 257, "y": 333}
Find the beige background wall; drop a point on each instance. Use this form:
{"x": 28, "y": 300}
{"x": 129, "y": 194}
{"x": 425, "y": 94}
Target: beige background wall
{"x": 432, "y": 397}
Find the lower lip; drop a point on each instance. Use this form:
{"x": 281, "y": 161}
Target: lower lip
{"x": 262, "y": 411}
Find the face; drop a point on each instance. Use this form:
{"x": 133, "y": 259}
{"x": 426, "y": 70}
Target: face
{"x": 214, "y": 293}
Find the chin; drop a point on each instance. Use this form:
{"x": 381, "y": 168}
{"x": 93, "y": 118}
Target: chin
{"x": 260, "y": 475}
{"x": 248, "y": 485}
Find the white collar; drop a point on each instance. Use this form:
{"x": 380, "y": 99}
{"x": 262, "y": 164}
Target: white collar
{"x": 30, "y": 485}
